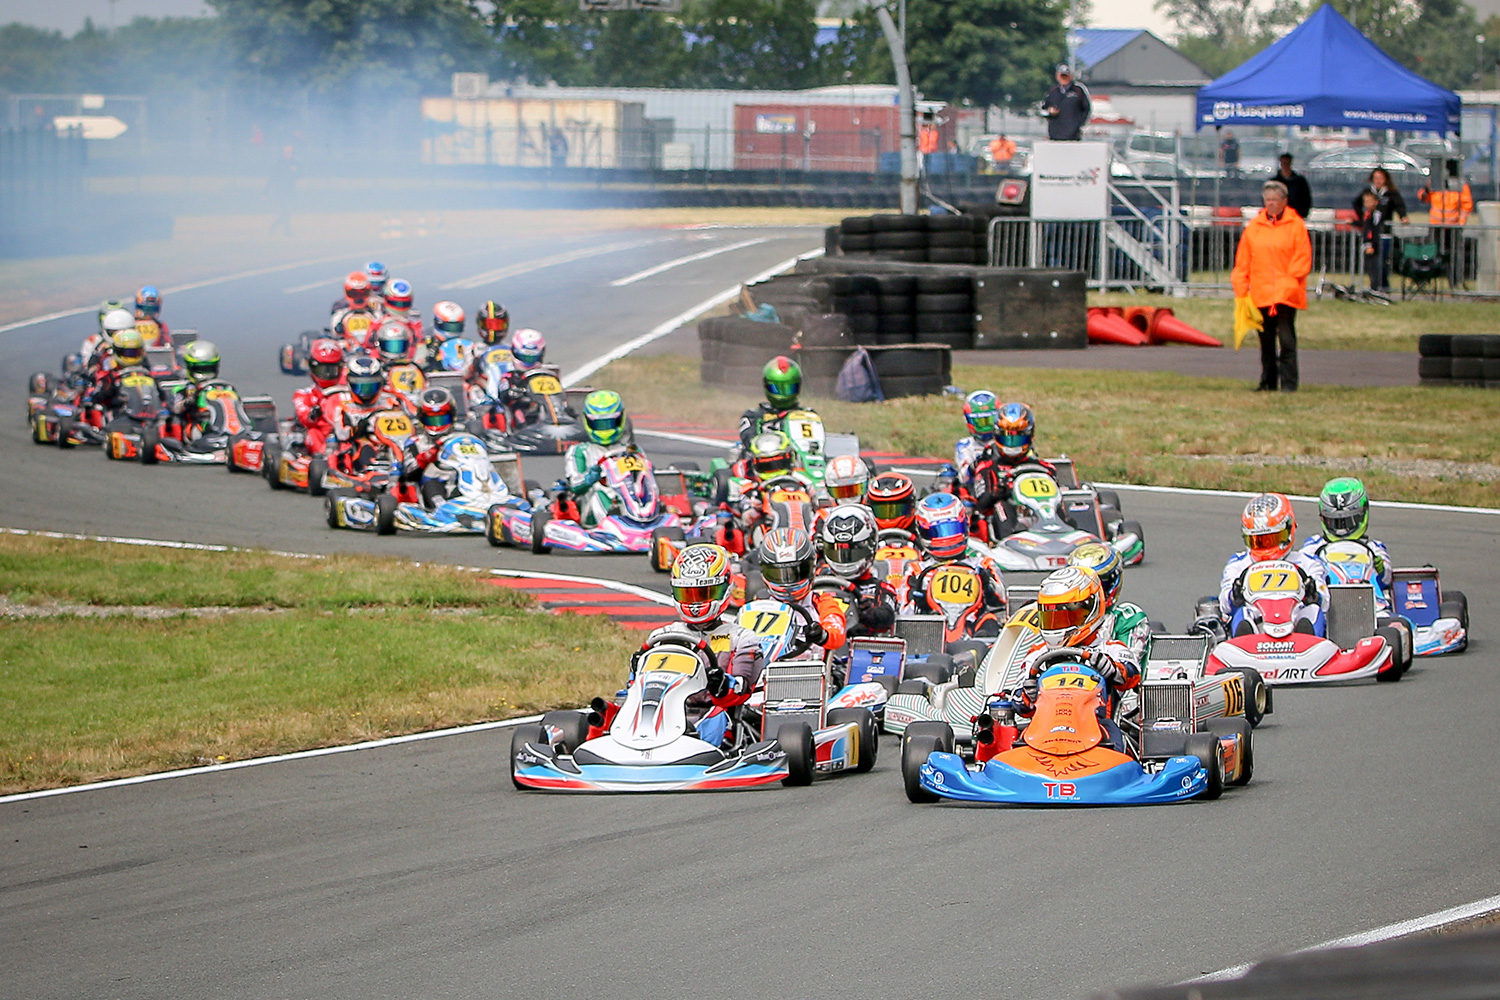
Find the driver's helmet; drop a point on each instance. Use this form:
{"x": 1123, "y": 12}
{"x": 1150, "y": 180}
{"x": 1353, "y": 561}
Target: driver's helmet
{"x": 130, "y": 348}
{"x": 1269, "y": 525}
{"x": 357, "y": 288}
{"x": 845, "y": 478}
{"x": 1015, "y": 427}
{"x": 848, "y": 537}
{"x": 942, "y": 526}
{"x": 981, "y": 414}
{"x": 393, "y": 341}
{"x": 528, "y": 348}
{"x": 783, "y": 382}
{"x": 604, "y": 417}
{"x": 493, "y": 321}
{"x": 325, "y": 362}
{"x": 771, "y": 455}
{"x": 1106, "y": 564}
{"x": 701, "y": 583}
{"x": 366, "y": 378}
{"x": 376, "y": 273}
{"x": 436, "y": 411}
{"x": 448, "y": 319}
{"x": 1344, "y": 508}
{"x": 117, "y": 321}
{"x": 892, "y": 498}
{"x": 787, "y": 561}
{"x": 398, "y": 296}
{"x": 107, "y": 307}
{"x": 148, "y": 302}
{"x": 1070, "y": 607}
{"x": 201, "y": 360}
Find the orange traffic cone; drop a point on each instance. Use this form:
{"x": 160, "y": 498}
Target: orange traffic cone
{"x": 1167, "y": 328}
{"x": 1140, "y": 317}
{"x": 1107, "y": 329}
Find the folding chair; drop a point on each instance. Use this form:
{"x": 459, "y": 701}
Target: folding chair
{"x": 1420, "y": 265}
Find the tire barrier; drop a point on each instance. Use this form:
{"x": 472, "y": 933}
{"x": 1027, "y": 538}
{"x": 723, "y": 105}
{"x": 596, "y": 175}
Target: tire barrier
{"x": 913, "y": 239}
{"x": 1459, "y": 359}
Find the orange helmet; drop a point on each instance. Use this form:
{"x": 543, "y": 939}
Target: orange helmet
{"x": 1270, "y": 525}
{"x": 357, "y": 287}
{"x": 1070, "y": 607}
{"x": 893, "y": 498}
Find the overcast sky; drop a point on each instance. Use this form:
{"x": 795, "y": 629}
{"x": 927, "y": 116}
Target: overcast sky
{"x": 68, "y": 15}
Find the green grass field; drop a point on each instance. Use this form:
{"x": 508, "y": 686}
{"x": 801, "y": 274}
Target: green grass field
{"x": 320, "y": 652}
{"x": 1155, "y": 428}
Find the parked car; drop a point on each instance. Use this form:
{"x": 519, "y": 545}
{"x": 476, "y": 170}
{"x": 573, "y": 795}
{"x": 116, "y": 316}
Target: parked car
{"x": 1404, "y": 168}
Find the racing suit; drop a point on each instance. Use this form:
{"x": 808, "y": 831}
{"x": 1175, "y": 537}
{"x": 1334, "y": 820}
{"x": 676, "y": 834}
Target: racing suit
{"x": 1128, "y": 625}
{"x": 874, "y": 602}
{"x": 982, "y": 476}
{"x": 316, "y": 409}
{"x": 1378, "y": 549}
{"x": 735, "y": 652}
{"x": 1113, "y": 659}
{"x": 351, "y": 428}
{"x": 1314, "y": 598}
{"x": 583, "y": 499}
{"x": 989, "y": 577}
{"x": 764, "y": 417}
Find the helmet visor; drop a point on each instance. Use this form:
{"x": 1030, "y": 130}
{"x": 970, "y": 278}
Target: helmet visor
{"x": 705, "y": 593}
{"x": 201, "y": 370}
{"x": 848, "y": 555}
{"x": 325, "y": 371}
{"x": 846, "y": 491}
{"x": 439, "y": 421}
{"x": 395, "y": 345}
{"x": 892, "y": 510}
{"x": 1344, "y": 524}
{"x": 787, "y": 574}
{"x": 1068, "y": 615}
{"x": 494, "y": 324}
{"x": 1270, "y": 543}
{"x": 982, "y": 424}
{"x": 1021, "y": 440}
{"x": 784, "y": 390}
{"x": 944, "y": 529}
{"x": 130, "y": 355}
{"x": 365, "y": 387}
{"x": 772, "y": 465}
{"x": 606, "y": 430}
{"x": 451, "y": 326}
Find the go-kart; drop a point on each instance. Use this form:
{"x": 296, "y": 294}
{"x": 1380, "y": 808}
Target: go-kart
{"x": 956, "y": 593}
{"x": 1415, "y": 611}
{"x": 1272, "y": 638}
{"x": 639, "y": 517}
{"x": 897, "y": 558}
{"x": 649, "y": 743}
{"x": 541, "y": 424}
{"x": 229, "y": 429}
{"x": 286, "y": 462}
{"x": 452, "y": 355}
{"x": 54, "y": 410}
{"x": 366, "y": 480}
{"x": 1064, "y": 757}
{"x": 1053, "y": 521}
{"x": 459, "y": 502}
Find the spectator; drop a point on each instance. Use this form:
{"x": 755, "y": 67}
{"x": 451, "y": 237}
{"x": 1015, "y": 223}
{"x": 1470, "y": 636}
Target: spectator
{"x": 1448, "y": 210}
{"x": 1002, "y": 151}
{"x": 1298, "y": 193}
{"x": 1066, "y": 107}
{"x": 1271, "y": 268}
{"x": 1369, "y": 230}
{"x": 1392, "y": 206}
{"x": 1229, "y": 154}
{"x": 557, "y": 145}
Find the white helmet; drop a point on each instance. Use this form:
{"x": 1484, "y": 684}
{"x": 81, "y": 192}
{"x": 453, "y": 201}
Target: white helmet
{"x": 845, "y": 478}
{"x": 117, "y": 320}
{"x": 848, "y": 536}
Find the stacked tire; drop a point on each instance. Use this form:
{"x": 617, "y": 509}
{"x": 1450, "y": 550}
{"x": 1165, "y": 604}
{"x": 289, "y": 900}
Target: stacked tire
{"x": 945, "y": 311}
{"x": 733, "y": 351}
{"x": 917, "y": 239}
{"x": 912, "y": 371}
{"x": 1459, "y": 359}
{"x": 889, "y": 309}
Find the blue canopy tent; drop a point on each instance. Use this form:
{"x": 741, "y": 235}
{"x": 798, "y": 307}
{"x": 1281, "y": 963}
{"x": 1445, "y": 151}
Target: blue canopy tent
{"x": 1326, "y": 73}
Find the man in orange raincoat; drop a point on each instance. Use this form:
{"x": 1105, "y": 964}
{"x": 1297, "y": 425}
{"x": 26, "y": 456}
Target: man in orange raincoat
{"x": 1271, "y": 268}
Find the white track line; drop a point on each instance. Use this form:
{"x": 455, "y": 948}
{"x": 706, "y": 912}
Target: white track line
{"x": 311, "y": 286}
{"x": 515, "y": 270}
{"x": 652, "y": 272}
{"x": 1390, "y": 932}
{"x": 688, "y": 438}
{"x": 624, "y": 588}
{"x": 656, "y": 333}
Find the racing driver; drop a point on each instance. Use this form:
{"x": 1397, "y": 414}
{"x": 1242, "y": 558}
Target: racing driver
{"x": 1270, "y": 525}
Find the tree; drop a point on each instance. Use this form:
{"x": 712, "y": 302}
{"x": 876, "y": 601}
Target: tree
{"x": 753, "y": 44}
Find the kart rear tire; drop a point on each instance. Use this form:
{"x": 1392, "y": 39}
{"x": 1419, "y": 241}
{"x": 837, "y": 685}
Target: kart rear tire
{"x": 539, "y": 519}
{"x": 149, "y": 440}
{"x": 1397, "y": 668}
{"x": 937, "y": 669}
{"x": 1456, "y": 605}
{"x": 574, "y": 727}
{"x": 270, "y": 466}
{"x": 890, "y": 684}
{"x": 494, "y": 526}
{"x": 796, "y": 740}
{"x": 673, "y": 533}
{"x": 385, "y": 514}
{"x": 1257, "y": 696}
{"x": 962, "y": 646}
{"x": 869, "y": 735}
{"x": 1134, "y": 528}
{"x": 1237, "y": 727}
{"x": 1109, "y": 498}
{"x": 520, "y": 736}
{"x": 65, "y": 433}
{"x": 317, "y": 468}
{"x": 433, "y": 492}
{"x": 1205, "y": 746}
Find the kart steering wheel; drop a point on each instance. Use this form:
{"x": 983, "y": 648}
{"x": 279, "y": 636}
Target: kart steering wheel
{"x": 1066, "y": 654}
{"x": 802, "y": 643}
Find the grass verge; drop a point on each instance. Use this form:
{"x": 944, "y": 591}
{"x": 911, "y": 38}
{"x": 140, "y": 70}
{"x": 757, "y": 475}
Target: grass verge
{"x": 1160, "y": 428}
{"x": 358, "y": 648}
{"x": 1333, "y": 324}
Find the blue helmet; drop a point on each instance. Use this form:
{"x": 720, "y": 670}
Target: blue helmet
{"x": 377, "y": 273}
{"x": 943, "y": 525}
{"x": 148, "y": 302}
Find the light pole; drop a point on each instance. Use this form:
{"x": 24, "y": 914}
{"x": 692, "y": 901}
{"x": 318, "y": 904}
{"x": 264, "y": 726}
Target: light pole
{"x": 906, "y": 103}
{"x": 1478, "y": 62}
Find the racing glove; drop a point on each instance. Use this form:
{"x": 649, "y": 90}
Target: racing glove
{"x": 1028, "y": 690}
{"x": 1310, "y": 592}
{"x": 816, "y": 633}
{"x": 594, "y": 475}
{"x": 1106, "y": 668}
{"x": 314, "y": 413}
{"x": 719, "y": 683}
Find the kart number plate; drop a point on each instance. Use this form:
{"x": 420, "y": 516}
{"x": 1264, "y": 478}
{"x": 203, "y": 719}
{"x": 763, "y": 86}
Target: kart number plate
{"x": 789, "y": 496}
{"x": 1036, "y": 487}
{"x": 632, "y": 463}
{"x": 468, "y": 448}
{"x": 546, "y": 385}
{"x": 406, "y": 380}
{"x": 356, "y": 323}
{"x": 497, "y": 357}
{"x": 1273, "y": 580}
{"x": 955, "y": 585}
{"x": 1357, "y": 554}
{"x": 141, "y": 381}
{"x": 660, "y": 660}
{"x": 216, "y": 395}
{"x": 1068, "y": 682}
{"x": 764, "y": 622}
{"x": 393, "y": 425}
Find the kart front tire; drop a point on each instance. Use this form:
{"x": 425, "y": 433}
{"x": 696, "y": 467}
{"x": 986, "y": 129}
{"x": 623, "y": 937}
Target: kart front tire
{"x": 519, "y": 737}
{"x": 1205, "y": 746}
{"x": 1396, "y": 669}
{"x": 385, "y": 514}
{"x": 869, "y": 736}
{"x": 229, "y": 462}
{"x": 796, "y": 741}
{"x": 1221, "y": 728}
{"x": 539, "y": 519}
{"x": 937, "y": 669}
{"x": 331, "y": 508}
{"x": 1456, "y": 605}
{"x": 1109, "y": 498}
{"x": 917, "y": 744}
{"x": 150, "y": 438}
{"x": 317, "y": 468}
{"x": 270, "y": 466}
{"x": 1257, "y": 696}
{"x": 65, "y": 433}
{"x": 494, "y": 526}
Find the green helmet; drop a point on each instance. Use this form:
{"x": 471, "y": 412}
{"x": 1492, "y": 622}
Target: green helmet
{"x": 1345, "y": 508}
{"x": 105, "y": 308}
{"x": 783, "y": 379}
{"x": 604, "y": 417}
{"x": 771, "y": 455}
{"x": 201, "y": 359}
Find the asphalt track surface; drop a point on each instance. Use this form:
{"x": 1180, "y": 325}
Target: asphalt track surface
{"x": 417, "y": 871}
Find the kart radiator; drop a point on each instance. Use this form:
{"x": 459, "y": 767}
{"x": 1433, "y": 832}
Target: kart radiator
{"x": 795, "y": 689}
{"x": 1351, "y": 613}
{"x": 1166, "y": 700}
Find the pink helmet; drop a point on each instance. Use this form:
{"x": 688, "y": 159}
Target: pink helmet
{"x": 529, "y": 348}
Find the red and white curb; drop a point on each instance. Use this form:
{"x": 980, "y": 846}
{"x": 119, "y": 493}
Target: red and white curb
{"x": 629, "y": 606}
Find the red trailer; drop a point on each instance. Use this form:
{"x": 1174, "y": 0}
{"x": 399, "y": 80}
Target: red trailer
{"x": 846, "y": 137}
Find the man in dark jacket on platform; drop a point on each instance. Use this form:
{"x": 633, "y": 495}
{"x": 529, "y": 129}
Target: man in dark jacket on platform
{"x": 1066, "y": 107}
{"x": 1298, "y": 194}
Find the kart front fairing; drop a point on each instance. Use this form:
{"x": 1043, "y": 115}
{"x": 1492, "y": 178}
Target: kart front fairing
{"x": 1126, "y": 783}
{"x": 1039, "y": 549}
{"x": 613, "y": 534}
{"x": 1300, "y": 658}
